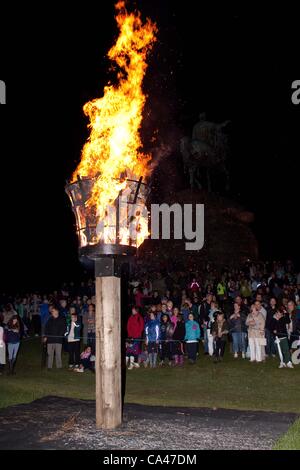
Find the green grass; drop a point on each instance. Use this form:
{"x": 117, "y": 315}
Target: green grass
{"x": 290, "y": 440}
{"x": 235, "y": 383}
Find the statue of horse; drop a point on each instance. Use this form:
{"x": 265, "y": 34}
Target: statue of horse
{"x": 205, "y": 152}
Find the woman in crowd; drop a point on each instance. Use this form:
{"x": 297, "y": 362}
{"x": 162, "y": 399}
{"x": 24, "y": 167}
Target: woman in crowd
{"x": 238, "y": 329}
{"x": 220, "y": 331}
{"x": 13, "y": 338}
{"x": 256, "y": 333}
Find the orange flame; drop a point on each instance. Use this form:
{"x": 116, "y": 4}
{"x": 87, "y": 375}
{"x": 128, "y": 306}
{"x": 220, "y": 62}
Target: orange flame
{"x": 113, "y": 150}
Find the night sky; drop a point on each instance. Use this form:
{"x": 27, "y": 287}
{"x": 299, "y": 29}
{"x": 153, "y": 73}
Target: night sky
{"x": 233, "y": 64}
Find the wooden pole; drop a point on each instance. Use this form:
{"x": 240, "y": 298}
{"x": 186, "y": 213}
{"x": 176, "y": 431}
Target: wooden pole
{"x": 108, "y": 353}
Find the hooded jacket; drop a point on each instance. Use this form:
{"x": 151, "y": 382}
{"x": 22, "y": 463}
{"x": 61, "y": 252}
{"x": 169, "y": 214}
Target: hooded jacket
{"x": 135, "y": 326}
{"x": 192, "y": 331}
{"x": 152, "y": 331}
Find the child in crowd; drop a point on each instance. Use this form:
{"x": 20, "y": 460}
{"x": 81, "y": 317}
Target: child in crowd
{"x": 152, "y": 339}
{"x": 192, "y": 336}
{"x": 73, "y": 339}
{"x": 165, "y": 352}
{"x": 132, "y": 353}
{"x": 143, "y": 357}
{"x": 178, "y": 338}
{"x": 86, "y": 362}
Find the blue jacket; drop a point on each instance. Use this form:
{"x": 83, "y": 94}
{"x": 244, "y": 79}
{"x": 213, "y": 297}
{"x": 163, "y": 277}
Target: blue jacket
{"x": 192, "y": 331}
{"x": 152, "y": 331}
{"x": 44, "y": 311}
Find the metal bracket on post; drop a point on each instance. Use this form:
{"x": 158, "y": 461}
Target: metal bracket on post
{"x": 108, "y": 266}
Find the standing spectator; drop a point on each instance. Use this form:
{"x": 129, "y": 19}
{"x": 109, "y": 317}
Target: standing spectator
{"x": 175, "y": 315}
{"x": 13, "y": 338}
{"x": 204, "y": 311}
{"x": 194, "y": 286}
{"x": 2, "y": 345}
{"x": 220, "y": 331}
{"x": 271, "y": 310}
{"x": 73, "y": 337}
{"x": 89, "y": 328}
{"x": 279, "y": 328}
{"x": 63, "y": 309}
{"x": 35, "y": 315}
{"x": 155, "y": 299}
{"x": 44, "y": 314}
{"x": 152, "y": 339}
{"x": 178, "y": 338}
{"x": 221, "y": 291}
{"x": 291, "y": 312}
{"x": 8, "y": 313}
{"x": 158, "y": 284}
{"x": 186, "y": 309}
{"x": 256, "y": 334}
{"x": 135, "y": 326}
{"x": 192, "y": 336}
{"x": 165, "y": 352}
{"x": 238, "y": 329}
{"x": 55, "y": 330}
{"x": 139, "y": 297}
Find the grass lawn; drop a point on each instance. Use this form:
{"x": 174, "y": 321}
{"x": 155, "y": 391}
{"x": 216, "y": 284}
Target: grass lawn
{"x": 290, "y": 440}
{"x": 235, "y": 383}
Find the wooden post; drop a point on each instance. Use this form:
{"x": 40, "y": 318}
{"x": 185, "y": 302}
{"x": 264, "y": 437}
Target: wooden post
{"x": 108, "y": 353}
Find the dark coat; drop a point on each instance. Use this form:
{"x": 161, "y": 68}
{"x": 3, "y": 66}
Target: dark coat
{"x": 179, "y": 332}
{"x": 55, "y": 330}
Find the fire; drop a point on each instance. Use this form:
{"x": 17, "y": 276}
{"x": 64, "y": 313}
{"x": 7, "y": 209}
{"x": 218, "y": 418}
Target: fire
{"x": 112, "y": 154}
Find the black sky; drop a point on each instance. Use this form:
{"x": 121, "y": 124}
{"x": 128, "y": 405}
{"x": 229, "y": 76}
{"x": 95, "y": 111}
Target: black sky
{"x": 233, "y": 64}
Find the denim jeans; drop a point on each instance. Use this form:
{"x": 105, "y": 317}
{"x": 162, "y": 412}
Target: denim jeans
{"x": 239, "y": 342}
{"x": 12, "y": 350}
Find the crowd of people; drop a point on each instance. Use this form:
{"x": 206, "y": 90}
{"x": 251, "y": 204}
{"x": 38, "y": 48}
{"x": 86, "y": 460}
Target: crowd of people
{"x": 255, "y": 309}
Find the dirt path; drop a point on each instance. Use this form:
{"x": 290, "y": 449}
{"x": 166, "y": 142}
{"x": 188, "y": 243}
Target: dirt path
{"x": 62, "y": 423}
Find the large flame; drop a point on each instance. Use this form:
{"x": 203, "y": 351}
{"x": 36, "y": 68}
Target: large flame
{"x": 113, "y": 150}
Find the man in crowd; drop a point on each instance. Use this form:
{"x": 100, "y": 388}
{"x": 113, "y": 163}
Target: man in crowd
{"x": 55, "y": 330}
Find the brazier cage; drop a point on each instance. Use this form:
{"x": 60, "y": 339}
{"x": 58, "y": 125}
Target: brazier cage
{"x": 122, "y": 216}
